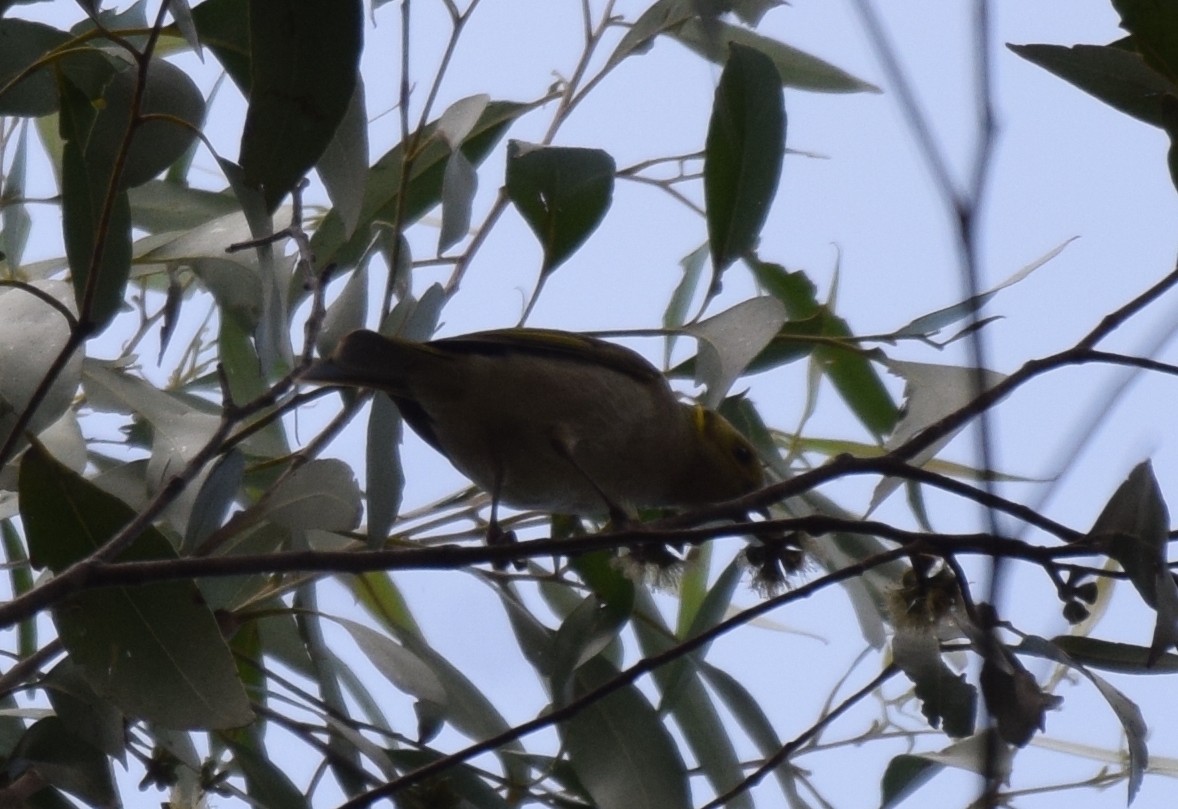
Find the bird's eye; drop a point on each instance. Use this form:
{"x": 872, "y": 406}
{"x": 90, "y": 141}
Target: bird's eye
{"x": 744, "y": 453}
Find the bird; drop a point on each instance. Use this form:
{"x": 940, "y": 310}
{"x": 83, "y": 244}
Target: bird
{"x": 551, "y": 420}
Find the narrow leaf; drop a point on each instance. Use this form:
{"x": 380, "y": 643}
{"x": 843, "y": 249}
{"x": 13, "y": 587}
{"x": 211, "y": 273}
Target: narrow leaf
{"x": 743, "y": 154}
{"x": 1116, "y": 76}
{"x": 794, "y": 68}
{"x": 621, "y": 750}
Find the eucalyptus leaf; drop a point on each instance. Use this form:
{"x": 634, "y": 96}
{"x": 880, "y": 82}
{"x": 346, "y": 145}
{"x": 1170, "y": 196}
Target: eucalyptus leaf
{"x": 562, "y": 193}
{"x": 155, "y": 651}
{"x": 743, "y": 154}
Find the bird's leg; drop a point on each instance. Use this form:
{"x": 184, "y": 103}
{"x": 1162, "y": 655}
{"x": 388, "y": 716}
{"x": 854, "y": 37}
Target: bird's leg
{"x": 496, "y": 536}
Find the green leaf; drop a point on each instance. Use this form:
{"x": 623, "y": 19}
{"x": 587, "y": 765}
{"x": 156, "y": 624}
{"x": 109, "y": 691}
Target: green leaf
{"x": 712, "y": 38}
{"x": 659, "y": 18}
{"x": 109, "y": 82}
{"x": 1135, "y": 524}
{"x": 620, "y": 749}
{"x": 1127, "y": 713}
{"x": 304, "y": 59}
{"x": 1116, "y": 76}
{"x": 904, "y": 775}
{"x": 15, "y": 222}
{"x": 1134, "y": 527}
{"x": 743, "y": 154}
{"x": 344, "y": 163}
{"x": 400, "y": 666}
{"x": 154, "y": 650}
{"x": 86, "y": 715}
{"x": 321, "y": 494}
{"x": 731, "y": 340}
{"x": 223, "y": 26}
{"x": 384, "y": 472}
{"x": 331, "y": 243}
{"x": 1109, "y": 655}
{"x": 214, "y": 499}
{"x": 561, "y": 192}
{"x": 87, "y": 185}
{"x": 688, "y": 703}
{"x": 459, "y": 184}
{"x": 160, "y": 206}
{"x": 1153, "y": 27}
{"x": 907, "y": 773}
{"x": 265, "y": 783}
{"x": 22, "y": 43}
{"x": 27, "y": 320}
{"x": 457, "y": 786}
{"x": 749, "y": 714}
{"x": 67, "y": 762}
{"x": 20, "y": 579}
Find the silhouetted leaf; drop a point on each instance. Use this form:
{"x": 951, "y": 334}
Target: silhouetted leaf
{"x": 561, "y": 192}
{"x": 742, "y": 158}
{"x": 1118, "y": 77}
{"x": 303, "y": 61}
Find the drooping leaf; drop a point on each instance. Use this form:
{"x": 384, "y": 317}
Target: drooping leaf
{"x": 15, "y": 222}
{"x": 794, "y": 68}
{"x": 1127, "y": 712}
{"x": 399, "y": 665}
{"x": 384, "y": 473}
{"x": 304, "y": 57}
{"x": 154, "y": 650}
{"x": 459, "y": 184}
{"x": 561, "y": 192}
{"x": 265, "y": 782}
{"x": 749, "y": 713}
{"x": 344, "y": 163}
{"x": 908, "y": 772}
{"x": 743, "y": 154}
{"x": 217, "y": 494}
{"x": 620, "y": 749}
{"x": 1134, "y": 528}
{"x": 1112, "y": 656}
{"x": 684, "y": 699}
{"x": 88, "y": 188}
